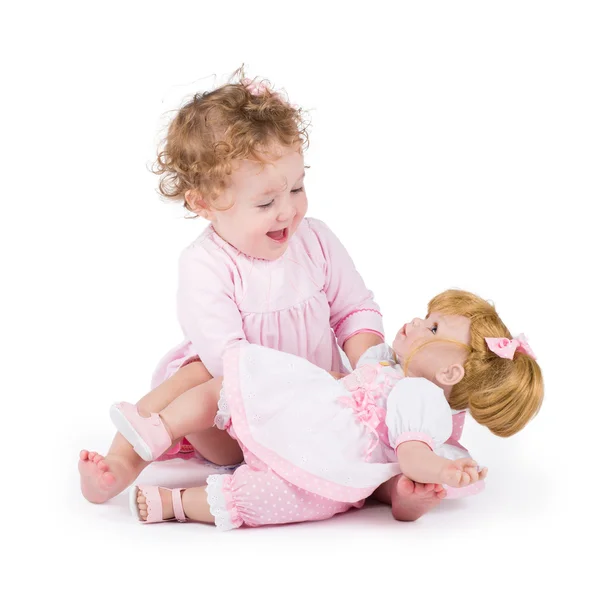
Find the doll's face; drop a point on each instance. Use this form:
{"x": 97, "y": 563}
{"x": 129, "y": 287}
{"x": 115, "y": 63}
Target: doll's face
{"x": 433, "y": 357}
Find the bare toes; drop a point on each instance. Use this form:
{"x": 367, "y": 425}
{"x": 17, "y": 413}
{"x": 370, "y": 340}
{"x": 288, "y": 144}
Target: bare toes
{"x": 420, "y": 489}
{"x": 108, "y": 479}
{"x": 83, "y": 455}
{"x": 405, "y": 485}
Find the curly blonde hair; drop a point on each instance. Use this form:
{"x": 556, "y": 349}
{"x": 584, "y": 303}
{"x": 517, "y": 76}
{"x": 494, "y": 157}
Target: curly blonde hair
{"x": 501, "y": 394}
{"x": 241, "y": 120}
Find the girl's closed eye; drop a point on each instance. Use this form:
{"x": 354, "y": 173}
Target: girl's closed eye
{"x": 263, "y": 206}
{"x": 298, "y": 190}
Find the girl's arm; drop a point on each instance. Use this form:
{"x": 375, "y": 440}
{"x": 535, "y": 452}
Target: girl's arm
{"x": 358, "y": 344}
{"x": 355, "y": 316}
{"x": 206, "y": 307}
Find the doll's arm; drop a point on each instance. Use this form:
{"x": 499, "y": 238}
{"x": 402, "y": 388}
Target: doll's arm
{"x": 418, "y": 462}
{"x": 419, "y": 421}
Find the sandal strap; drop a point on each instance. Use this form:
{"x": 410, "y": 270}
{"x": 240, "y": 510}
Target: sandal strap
{"x": 178, "y": 505}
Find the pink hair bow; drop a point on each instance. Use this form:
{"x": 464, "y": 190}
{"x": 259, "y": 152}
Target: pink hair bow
{"x": 256, "y": 88}
{"x": 506, "y": 348}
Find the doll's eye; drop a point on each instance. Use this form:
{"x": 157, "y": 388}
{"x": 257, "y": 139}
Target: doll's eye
{"x": 434, "y": 328}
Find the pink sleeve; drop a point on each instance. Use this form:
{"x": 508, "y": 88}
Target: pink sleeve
{"x": 353, "y": 309}
{"x": 207, "y": 311}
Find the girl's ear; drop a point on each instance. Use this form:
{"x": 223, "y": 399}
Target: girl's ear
{"x": 197, "y": 204}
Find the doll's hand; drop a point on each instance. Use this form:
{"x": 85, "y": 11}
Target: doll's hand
{"x": 462, "y": 472}
{"x": 337, "y": 375}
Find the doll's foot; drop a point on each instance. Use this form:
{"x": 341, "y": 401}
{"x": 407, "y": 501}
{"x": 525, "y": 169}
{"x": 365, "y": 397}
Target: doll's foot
{"x": 102, "y": 478}
{"x": 462, "y": 472}
{"x": 411, "y": 500}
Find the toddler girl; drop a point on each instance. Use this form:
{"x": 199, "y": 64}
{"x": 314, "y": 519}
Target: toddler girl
{"x": 260, "y": 273}
{"x": 315, "y": 446}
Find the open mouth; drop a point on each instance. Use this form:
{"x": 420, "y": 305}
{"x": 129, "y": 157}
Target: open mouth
{"x": 280, "y": 235}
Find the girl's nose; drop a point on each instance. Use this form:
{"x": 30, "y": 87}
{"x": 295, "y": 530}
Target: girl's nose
{"x": 288, "y": 211}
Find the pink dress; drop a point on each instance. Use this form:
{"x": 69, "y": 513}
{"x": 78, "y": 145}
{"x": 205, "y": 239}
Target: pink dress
{"x": 317, "y": 438}
{"x": 307, "y": 303}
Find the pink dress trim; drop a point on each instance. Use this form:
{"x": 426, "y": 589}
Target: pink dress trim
{"x": 411, "y": 436}
{"x": 377, "y": 333}
{"x": 338, "y": 326}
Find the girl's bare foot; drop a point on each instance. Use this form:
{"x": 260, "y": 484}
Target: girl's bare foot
{"x": 411, "y": 500}
{"x": 102, "y": 478}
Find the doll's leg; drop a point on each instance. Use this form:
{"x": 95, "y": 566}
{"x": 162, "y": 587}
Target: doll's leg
{"x": 409, "y": 500}
{"x": 103, "y": 477}
{"x": 249, "y": 497}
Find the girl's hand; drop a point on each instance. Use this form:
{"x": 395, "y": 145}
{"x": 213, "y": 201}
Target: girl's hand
{"x": 337, "y": 375}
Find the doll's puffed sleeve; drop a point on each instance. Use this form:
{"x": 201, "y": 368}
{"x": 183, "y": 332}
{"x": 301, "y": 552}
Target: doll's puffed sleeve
{"x": 207, "y": 311}
{"x": 353, "y": 309}
{"x": 417, "y": 410}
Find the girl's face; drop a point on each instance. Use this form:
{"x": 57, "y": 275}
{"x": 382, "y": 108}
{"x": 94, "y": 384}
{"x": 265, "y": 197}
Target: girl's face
{"x": 433, "y": 357}
{"x": 266, "y": 203}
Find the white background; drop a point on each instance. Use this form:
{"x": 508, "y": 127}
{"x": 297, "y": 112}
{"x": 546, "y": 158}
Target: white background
{"x": 454, "y": 144}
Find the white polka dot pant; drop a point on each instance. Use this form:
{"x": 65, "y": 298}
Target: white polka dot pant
{"x": 258, "y": 496}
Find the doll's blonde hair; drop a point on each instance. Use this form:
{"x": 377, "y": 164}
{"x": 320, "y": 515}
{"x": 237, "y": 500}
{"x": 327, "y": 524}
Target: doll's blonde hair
{"x": 233, "y": 122}
{"x": 504, "y": 395}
